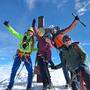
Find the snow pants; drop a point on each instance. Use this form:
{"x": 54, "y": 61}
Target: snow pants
{"x": 16, "y": 65}
{"x": 44, "y": 71}
{"x": 65, "y": 70}
{"x": 85, "y": 75}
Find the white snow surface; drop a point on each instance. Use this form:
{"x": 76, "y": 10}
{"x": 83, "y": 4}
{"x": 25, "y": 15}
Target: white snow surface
{"x": 57, "y": 78}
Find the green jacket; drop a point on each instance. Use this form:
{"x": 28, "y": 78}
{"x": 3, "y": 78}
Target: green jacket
{"x": 73, "y": 56}
{"x": 30, "y": 40}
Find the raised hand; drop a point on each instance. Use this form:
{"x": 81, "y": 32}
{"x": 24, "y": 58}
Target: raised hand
{"x": 6, "y": 23}
{"x": 33, "y": 22}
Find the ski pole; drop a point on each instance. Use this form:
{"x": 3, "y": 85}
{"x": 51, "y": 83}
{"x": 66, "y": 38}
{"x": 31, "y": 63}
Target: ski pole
{"x": 20, "y": 70}
{"x": 2, "y": 81}
{"x": 17, "y": 75}
{"x": 34, "y": 75}
{"x": 74, "y": 15}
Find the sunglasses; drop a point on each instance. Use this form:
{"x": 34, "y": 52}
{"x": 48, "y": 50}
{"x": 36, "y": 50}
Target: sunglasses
{"x": 67, "y": 40}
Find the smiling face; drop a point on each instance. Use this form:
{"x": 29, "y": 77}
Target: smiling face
{"x": 47, "y": 39}
{"x": 53, "y": 31}
{"x": 40, "y": 33}
{"x": 30, "y": 33}
{"x": 67, "y": 42}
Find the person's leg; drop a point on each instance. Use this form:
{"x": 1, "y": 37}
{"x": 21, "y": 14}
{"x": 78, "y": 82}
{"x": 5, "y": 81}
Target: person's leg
{"x": 66, "y": 74}
{"x": 75, "y": 82}
{"x": 74, "y": 86}
{"x": 65, "y": 70}
{"x": 15, "y": 67}
{"x": 48, "y": 73}
{"x": 49, "y": 84}
{"x": 28, "y": 66}
{"x": 42, "y": 71}
{"x": 86, "y": 75}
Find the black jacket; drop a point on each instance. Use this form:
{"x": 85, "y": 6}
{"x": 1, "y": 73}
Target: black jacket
{"x": 73, "y": 56}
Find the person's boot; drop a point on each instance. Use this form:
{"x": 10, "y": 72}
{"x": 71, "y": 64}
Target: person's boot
{"x": 44, "y": 86}
{"x": 67, "y": 86}
{"x": 8, "y": 89}
{"x": 49, "y": 86}
{"x": 28, "y": 88}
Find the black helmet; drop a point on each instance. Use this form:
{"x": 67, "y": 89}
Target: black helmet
{"x": 52, "y": 27}
{"x": 57, "y": 28}
{"x": 66, "y": 38}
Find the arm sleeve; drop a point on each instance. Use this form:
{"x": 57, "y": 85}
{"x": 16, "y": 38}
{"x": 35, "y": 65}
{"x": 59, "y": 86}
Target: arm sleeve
{"x": 36, "y": 34}
{"x": 13, "y": 32}
{"x": 70, "y": 27}
{"x": 80, "y": 52}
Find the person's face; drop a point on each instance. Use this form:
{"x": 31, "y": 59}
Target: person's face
{"x": 40, "y": 33}
{"x": 30, "y": 33}
{"x": 67, "y": 42}
{"x": 47, "y": 39}
{"x": 53, "y": 31}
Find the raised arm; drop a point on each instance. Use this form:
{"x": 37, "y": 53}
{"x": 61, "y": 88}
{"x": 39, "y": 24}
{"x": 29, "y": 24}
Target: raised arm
{"x": 11, "y": 30}
{"x": 35, "y": 30}
{"x": 72, "y": 26}
{"x": 33, "y": 25}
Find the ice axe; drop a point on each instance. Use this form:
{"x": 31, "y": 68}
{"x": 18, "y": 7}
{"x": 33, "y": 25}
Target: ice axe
{"x": 74, "y": 15}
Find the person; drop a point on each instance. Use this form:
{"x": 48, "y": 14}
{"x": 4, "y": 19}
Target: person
{"x": 49, "y": 40}
{"x": 57, "y": 36}
{"x": 43, "y": 56}
{"x": 26, "y": 46}
{"x": 74, "y": 58}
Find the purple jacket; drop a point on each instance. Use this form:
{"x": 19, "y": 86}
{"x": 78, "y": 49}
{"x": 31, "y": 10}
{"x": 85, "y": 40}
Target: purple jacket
{"x": 43, "y": 48}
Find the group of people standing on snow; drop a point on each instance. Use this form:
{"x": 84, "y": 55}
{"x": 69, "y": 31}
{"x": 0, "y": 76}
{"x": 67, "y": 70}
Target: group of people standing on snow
{"x": 71, "y": 55}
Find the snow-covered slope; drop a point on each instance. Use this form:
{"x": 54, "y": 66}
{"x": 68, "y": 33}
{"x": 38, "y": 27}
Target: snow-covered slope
{"x": 57, "y": 78}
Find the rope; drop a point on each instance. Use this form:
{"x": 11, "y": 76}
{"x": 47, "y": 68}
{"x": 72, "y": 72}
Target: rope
{"x": 3, "y": 81}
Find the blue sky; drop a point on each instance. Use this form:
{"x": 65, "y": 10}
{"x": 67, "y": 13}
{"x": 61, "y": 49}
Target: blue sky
{"x": 56, "y": 12}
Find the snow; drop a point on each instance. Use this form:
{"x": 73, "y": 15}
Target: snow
{"x": 57, "y": 78}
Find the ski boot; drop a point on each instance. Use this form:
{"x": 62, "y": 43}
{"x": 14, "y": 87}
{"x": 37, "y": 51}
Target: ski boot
{"x": 28, "y": 88}
{"x": 49, "y": 86}
{"x": 44, "y": 87}
{"x": 8, "y": 89}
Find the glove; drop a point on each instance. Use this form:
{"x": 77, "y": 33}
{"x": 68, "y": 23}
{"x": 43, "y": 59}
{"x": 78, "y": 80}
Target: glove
{"x": 33, "y": 23}
{"x": 76, "y": 18}
{"x": 6, "y": 23}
